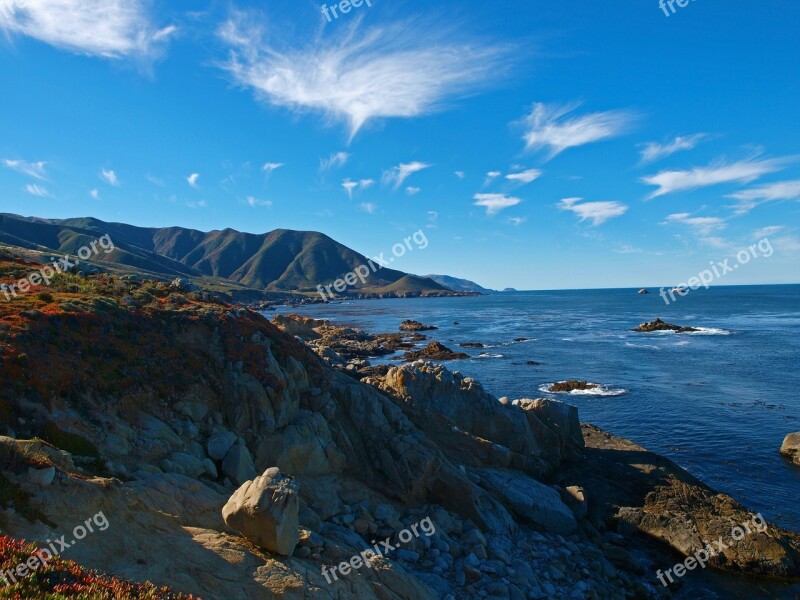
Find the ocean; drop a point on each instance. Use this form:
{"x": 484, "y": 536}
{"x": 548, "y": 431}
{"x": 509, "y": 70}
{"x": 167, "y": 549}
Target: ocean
{"x": 718, "y": 402}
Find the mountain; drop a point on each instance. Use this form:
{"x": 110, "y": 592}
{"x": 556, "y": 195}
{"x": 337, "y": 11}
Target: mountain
{"x": 458, "y": 285}
{"x": 280, "y": 261}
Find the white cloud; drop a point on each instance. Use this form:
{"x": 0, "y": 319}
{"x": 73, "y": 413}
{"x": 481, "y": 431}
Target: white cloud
{"x": 397, "y": 175}
{"x": 34, "y": 189}
{"x": 493, "y": 174}
{"x": 412, "y": 191}
{"x": 652, "y": 151}
{"x": 95, "y": 193}
{"x": 598, "y": 212}
{"x": 335, "y": 160}
{"x": 253, "y": 201}
{"x": 154, "y": 180}
{"x": 192, "y": 180}
{"x": 358, "y": 74}
{"x": 780, "y": 190}
{"x": 460, "y": 174}
{"x": 199, "y": 204}
{"x": 110, "y": 177}
{"x": 517, "y": 221}
{"x": 744, "y": 171}
{"x": 369, "y": 207}
{"x": 271, "y": 166}
{"x": 31, "y": 169}
{"x": 768, "y": 231}
{"x": 702, "y": 225}
{"x": 549, "y": 126}
{"x": 524, "y": 176}
{"x": 107, "y": 28}
{"x": 349, "y": 186}
{"x": 494, "y": 203}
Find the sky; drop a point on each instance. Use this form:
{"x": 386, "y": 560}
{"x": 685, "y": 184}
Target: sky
{"x": 538, "y": 145}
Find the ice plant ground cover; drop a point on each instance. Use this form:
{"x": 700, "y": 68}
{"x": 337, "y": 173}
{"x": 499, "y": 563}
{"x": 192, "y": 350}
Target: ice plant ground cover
{"x": 66, "y": 579}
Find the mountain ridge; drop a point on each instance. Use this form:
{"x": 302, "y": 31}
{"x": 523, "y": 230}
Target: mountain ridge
{"x": 280, "y": 261}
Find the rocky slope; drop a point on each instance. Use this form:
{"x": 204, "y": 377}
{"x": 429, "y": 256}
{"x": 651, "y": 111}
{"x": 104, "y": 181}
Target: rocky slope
{"x": 156, "y": 404}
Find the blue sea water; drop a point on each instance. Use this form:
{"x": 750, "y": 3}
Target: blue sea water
{"x": 718, "y": 402}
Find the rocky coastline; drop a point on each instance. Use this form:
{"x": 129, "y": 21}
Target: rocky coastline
{"x": 236, "y": 457}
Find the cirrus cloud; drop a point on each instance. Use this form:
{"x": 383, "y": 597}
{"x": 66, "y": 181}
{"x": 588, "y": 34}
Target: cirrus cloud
{"x": 598, "y": 212}
{"x": 494, "y": 203}
{"x": 552, "y": 127}
{"x": 360, "y": 74}
{"x": 105, "y": 28}
{"x": 743, "y": 171}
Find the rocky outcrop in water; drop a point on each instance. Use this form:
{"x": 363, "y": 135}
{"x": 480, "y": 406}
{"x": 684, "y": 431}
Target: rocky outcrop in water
{"x": 434, "y": 351}
{"x": 410, "y": 325}
{"x": 791, "y": 447}
{"x": 659, "y": 325}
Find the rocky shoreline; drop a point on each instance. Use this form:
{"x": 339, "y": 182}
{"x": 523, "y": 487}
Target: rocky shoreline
{"x": 163, "y": 404}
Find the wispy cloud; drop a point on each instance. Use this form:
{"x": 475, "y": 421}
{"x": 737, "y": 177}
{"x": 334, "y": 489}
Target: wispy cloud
{"x": 253, "y": 201}
{"x": 412, "y": 191}
{"x": 743, "y": 171}
{"x": 598, "y": 212}
{"x": 460, "y": 174}
{"x": 369, "y": 207}
{"x": 95, "y": 193}
{"x": 517, "y": 221}
{"x": 334, "y": 161}
{"x": 704, "y": 226}
{"x": 494, "y": 203}
{"x": 768, "y": 231}
{"x": 192, "y": 180}
{"x": 154, "y": 180}
{"x": 524, "y": 177}
{"x": 350, "y": 186}
{"x": 780, "y": 190}
{"x": 652, "y": 151}
{"x": 397, "y": 175}
{"x": 358, "y": 74}
{"x": 107, "y": 28}
{"x": 269, "y": 167}
{"x": 110, "y": 177}
{"x": 552, "y": 127}
{"x": 34, "y": 189}
{"x": 31, "y": 169}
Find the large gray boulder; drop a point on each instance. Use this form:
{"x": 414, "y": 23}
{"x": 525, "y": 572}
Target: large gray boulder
{"x": 529, "y": 500}
{"x": 238, "y": 464}
{"x": 266, "y": 511}
{"x": 562, "y": 419}
{"x": 791, "y": 447}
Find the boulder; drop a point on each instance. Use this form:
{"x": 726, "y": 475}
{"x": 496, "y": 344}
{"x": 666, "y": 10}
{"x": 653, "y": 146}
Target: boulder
{"x": 530, "y": 500}
{"x": 238, "y": 464}
{"x": 266, "y": 512}
{"x": 560, "y": 418}
{"x": 791, "y": 447}
{"x": 220, "y": 444}
{"x": 409, "y": 325}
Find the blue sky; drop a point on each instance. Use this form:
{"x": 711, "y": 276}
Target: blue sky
{"x": 539, "y": 145}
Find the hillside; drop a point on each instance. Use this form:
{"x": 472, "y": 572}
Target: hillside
{"x": 280, "y": 261}
{"x": 458, "y": 285}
